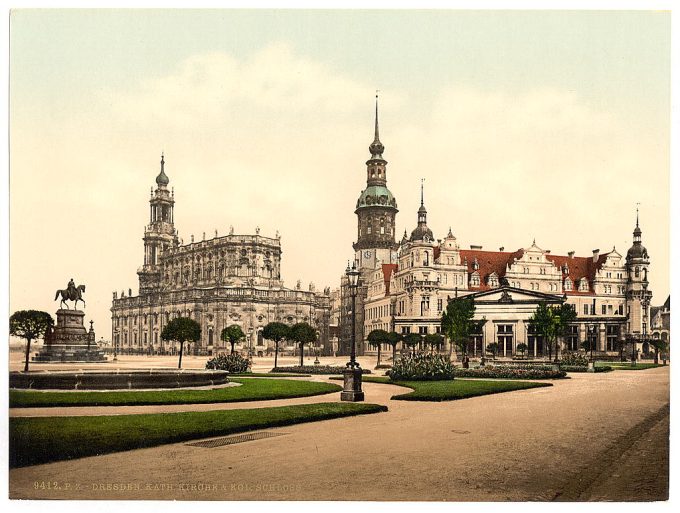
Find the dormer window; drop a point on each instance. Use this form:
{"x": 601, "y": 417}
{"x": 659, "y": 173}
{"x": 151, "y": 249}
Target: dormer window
{"x": 493, "y": 280}
{"x": 474, "y": 279}
{"x": 583, "y": 285}
{"x": 568, "y": 285}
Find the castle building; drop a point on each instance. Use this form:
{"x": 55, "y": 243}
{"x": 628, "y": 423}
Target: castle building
{"x": 405, "y": 286}
{"x": 225, "y": 280}
{"x": 609, "y": 293}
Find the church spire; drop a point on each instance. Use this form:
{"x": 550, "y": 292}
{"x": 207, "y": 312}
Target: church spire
{"x": 376, "y": 148}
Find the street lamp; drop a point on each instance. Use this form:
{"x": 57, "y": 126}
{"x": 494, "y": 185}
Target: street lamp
{"x": 352, "y": 374}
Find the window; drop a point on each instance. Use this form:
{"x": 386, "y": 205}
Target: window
{"x": 474, "y": 280}
{"x": 422, "y": 330}
{"x": 505, "y": 338}
{"x": 368, "y": 229}
{"x": 604, "y": 309}
{"x": 571, "y": 339}
{"x": 440, "y": 304}
{"x": 612, "y": 337}
{"x": 585, "y": 309}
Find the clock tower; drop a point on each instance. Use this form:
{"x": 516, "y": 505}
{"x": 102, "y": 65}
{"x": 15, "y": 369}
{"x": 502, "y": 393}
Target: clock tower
{"x": 376, "y": 210}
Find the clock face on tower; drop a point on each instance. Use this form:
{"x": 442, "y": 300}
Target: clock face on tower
{"x": 367, "y": 254}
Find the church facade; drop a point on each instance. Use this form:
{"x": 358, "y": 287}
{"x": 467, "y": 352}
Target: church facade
{"x": 225, "y": 280}
{"x": 406, "y": 285}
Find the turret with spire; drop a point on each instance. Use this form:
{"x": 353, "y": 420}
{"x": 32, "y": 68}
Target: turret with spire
{"x": 422, "y": 232}
{"x": 160, "y": 233}
{"x": 376, "y": 209}
{"x": 639, "y": 296}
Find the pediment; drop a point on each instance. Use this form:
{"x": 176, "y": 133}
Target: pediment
{"x": 514, "y": 295}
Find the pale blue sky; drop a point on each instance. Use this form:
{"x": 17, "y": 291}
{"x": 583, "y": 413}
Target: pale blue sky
{"x": 617, "y": 59}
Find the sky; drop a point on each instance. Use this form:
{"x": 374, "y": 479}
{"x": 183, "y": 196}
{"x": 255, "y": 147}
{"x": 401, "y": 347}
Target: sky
{"x": 545, "y": 125}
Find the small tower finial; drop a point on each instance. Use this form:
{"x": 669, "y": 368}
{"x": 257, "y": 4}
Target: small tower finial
{"x": 637, "y": 215}
{"x": 422, "y": 194}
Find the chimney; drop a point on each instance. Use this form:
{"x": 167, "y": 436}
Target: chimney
{"x": 547, "y": 251}
{"x": 596, "y": 254}
{"x": 502, "y": 248}
{"x": 571, "y": 254}
{"x": 473, "y": 246}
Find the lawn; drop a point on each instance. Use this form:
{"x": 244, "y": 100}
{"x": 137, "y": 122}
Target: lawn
{"x": 35, "y": 440}
{"x": 269, "y": 375}
{"x": 256, "y": 389}
{"x": 628, "y": 365}
{"x": 452, "y": 390}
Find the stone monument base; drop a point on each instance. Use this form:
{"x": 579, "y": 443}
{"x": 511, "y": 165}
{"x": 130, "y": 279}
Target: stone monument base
{"x": 70, "y": 342}
{"x": 352, "y": 390}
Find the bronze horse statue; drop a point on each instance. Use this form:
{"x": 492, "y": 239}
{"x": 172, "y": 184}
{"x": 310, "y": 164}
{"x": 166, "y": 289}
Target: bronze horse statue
{"x": 71, "y": 294}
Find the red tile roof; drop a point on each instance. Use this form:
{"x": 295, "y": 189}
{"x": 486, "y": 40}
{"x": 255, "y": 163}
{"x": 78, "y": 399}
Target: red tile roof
{"x": 489, "y": 262}
{"x": 388, "y": 270}
{"x": 497, "y": 261}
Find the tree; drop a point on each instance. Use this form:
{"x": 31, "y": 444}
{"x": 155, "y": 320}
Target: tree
{"x": 377, "y": 338}
{"x": 544, "y": 322}
{"x": 434, "y": 340}
{"x": 181, "y": 329}
{"x": 393, "y": 338}
{"x": 412, "y": 340}
{"x": 457, "y": 323}
{"x": 493, "y": 349}
{"x": 552, "y": 323}
{"x": 522, "y": 348}
{"x": 588, "y": 347}
{"x": 566, "y": 316}
{"x": 31, "y": 325}
{"x": 232, "y": 334}
{"x": 276, "y": 331}
{"x": 302, "y": 333}
{"x": 660, "y": 346}
{"x": 620, "y": 346}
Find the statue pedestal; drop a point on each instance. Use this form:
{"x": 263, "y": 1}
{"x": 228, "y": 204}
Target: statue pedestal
{"x": 70, "y": 341}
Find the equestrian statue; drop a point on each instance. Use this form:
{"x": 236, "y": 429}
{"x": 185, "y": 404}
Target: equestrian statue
{"x": 71, "y": 293}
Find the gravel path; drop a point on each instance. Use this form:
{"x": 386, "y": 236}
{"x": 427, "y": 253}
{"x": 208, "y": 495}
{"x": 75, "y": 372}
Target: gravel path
{"x": 536, "y": 444}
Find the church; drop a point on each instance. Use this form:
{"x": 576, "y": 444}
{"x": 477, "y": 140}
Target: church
{"x": 224, "y": 280}
{"x": 406, "y": 284}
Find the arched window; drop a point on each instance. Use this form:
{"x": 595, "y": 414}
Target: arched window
{"x": 568, "y": 285}
{"x": 637, "y": 272}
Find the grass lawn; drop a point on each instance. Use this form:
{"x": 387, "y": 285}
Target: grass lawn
{"x": 269, "y": 375}
{"x": 35, "y": 440}
{"x": 628, "y": 365}
{"x": 250, "y": 390}
{"x": 453, "y": 389}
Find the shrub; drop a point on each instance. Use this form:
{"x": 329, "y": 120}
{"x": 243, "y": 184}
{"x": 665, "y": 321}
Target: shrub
{"x": 422, "y": 367}
{"x": 511, "y": 372}
{"x": 584, "y": 368}
{"x": 574, "y": 359}
{"x": 315, "y": 369}
{"x": 234, "y": 363}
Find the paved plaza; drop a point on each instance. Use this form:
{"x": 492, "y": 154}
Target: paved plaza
{"x": 590, "y": 437}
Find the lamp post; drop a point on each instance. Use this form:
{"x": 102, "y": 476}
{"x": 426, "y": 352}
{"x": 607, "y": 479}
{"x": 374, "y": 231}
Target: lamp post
{"x": 115, "y": 345}
{"x": 352, "y": 374}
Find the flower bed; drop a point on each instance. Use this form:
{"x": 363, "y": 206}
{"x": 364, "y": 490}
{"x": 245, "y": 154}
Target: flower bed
{"x": 574, "y": 360}
{"x": 511, "y": 372}
{"x": 584, "y": 368}
{"x": 422, "y": 367}
{"x": 234, "y": 363}
{"x": 315, "y": 369}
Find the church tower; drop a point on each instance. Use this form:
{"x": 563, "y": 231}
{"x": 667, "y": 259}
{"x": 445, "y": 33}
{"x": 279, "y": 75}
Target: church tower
{"x": 159, "y": 235}
{"x": 376, "y": 211}
{"x": 637, "y": 264}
